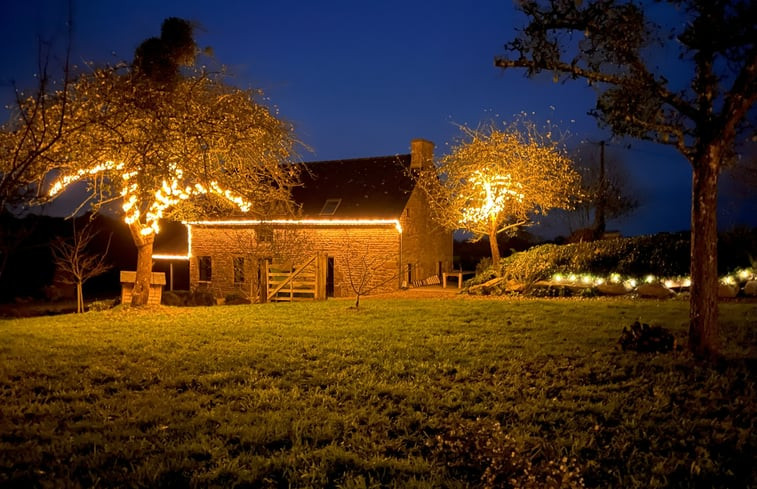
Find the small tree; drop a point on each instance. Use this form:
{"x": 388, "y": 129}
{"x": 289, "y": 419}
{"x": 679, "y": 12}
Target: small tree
{"x": 363, "y": 268}
{"x": 605, "y": 190}
{"x": 499, "y": 180}
{"x": 33, "y": 129}
{"x": 76, "y": 263}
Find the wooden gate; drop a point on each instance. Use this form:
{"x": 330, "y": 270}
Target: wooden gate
{"x": 288, "y": 283}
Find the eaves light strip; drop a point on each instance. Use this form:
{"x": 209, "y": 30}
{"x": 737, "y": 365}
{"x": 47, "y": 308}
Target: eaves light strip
{"x": 279, "y": 222}
{"x": 300, "y": 222}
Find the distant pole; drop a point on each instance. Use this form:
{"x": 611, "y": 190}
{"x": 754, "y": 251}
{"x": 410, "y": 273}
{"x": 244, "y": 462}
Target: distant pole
{"x": 599, "y": 212}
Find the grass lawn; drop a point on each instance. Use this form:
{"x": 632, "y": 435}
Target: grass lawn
{"x": 402, "y": 393}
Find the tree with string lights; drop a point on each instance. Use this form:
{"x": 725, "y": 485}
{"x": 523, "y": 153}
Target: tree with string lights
{"x": 165, "y": 140}
{"x": 497, "y": 180}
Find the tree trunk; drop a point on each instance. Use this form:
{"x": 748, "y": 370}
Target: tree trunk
{"x": 79, "y": 297}
{"x": 703, "y": 316}
{"x": 141, "y": 291}
{"x": 494, "y": 245}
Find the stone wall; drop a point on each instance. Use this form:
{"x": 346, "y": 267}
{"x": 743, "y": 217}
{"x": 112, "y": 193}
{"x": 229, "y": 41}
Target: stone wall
{"x": 426, "y": 247}
{"x": 370, "y": 252}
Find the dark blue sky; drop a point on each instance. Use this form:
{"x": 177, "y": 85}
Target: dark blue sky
{"x": 362, "y": 78}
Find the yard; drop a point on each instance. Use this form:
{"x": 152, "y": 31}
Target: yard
{"x": 401, "y": 393}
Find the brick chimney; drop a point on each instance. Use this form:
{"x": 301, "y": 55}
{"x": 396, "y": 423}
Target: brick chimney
{"x": 421, "y": 154}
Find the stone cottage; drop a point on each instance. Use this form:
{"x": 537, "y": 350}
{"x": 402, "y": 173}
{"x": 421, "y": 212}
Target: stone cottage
{"x": 359, "y": 222}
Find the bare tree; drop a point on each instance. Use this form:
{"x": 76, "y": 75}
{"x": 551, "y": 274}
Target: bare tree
{"x": 606, "y": 190}
{"x": 27, "y": 137}
{"x": 365, "y": 271}
{"x": 76, "y": 262}
{"x": 33, "y": 128}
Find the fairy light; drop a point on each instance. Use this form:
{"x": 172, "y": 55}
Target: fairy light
{"x": 301, "y": 222}
{"x": 163, "y": 256}
{"x": 736, "y": 278}
{"x": 495, "y": 191}
{"x": 170, "y": 193}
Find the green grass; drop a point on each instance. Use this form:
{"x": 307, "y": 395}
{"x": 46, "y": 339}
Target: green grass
{"x": 402, "y": 393}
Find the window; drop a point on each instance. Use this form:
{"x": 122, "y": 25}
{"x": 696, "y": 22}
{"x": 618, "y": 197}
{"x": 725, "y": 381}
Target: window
{"x": 264, "y": 235}
{"x": 238, "y": 262}
{"x": 330, "y": 207}
{"x": 204, "y": 266}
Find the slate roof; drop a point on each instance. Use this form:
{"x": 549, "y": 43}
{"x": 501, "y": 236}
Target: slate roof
{"x": 369, "y": 188}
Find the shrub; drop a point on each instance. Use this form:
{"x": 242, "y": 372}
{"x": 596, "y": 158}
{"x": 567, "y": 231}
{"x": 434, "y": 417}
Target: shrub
{"x": 236, "y": 298}
{"x": 737, "y": 249}
{"x": 481, "y": 454}
{"x": 171, "y": 298}
{"x": 662, "y": 254}
{"x": 201, "y": 298}
{"x": 483, "y": 265}
{"x": 102, "y": 305}
{"x": 645, "y": 338}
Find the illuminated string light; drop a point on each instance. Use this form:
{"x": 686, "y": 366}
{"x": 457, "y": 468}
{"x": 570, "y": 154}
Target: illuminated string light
{"x": 736, "y": 278}
{"x": 495, "y": 191}
{"x": 300, "y": 222}
{"x": 170, "y": 193}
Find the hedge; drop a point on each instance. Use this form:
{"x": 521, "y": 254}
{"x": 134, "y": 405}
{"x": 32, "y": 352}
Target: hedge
{"x": 662, "y": 255}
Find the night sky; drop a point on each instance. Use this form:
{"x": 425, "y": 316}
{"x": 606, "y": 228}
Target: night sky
{"x": 364, "y": 78}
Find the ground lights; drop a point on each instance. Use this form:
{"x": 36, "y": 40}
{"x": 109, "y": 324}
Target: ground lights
{"x": 739, "y": 276}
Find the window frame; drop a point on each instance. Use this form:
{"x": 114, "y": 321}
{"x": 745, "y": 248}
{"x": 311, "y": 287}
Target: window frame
{"x": 205, "y": 269}
{"x": 326, "y": 209}
{"x": 237, "y": 266}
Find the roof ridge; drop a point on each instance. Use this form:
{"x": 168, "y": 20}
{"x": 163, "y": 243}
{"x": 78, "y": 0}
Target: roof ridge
{"x": 351, "y": 160}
